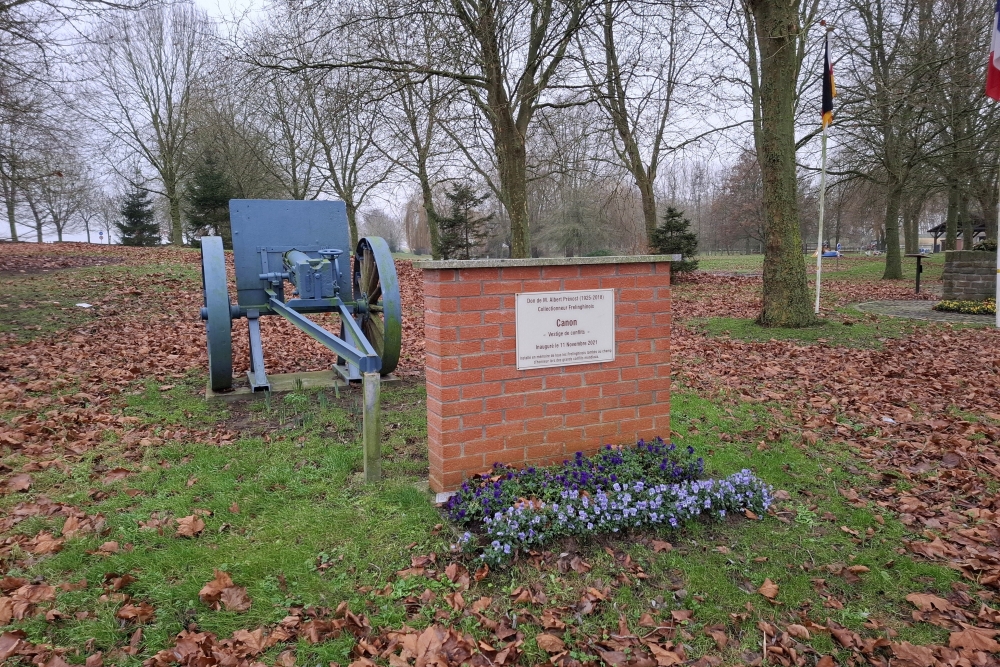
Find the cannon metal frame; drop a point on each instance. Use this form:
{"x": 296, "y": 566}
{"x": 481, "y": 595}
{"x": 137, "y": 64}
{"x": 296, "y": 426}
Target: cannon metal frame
{"x": 301, "y": 242}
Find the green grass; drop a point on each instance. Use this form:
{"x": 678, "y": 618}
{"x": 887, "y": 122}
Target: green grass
{"x": 809, "y": 541}
{"x": 865, "y": 330}
{"x": 697, "y": 575}
{"x": 299, "y": 502}
{"x": 39, "y": 304}
{"x": 308, "y": 531}
{"x": 850, "y": 267}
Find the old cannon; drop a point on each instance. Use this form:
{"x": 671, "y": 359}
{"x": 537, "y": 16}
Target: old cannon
{"x": 304, "y": 244}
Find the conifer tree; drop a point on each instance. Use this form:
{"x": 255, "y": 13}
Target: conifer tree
{"x": 137, "y": 225}
{"x": 207, "y": 196}
{"x": 464, "y": 230}
{"x": 673, "y": 237}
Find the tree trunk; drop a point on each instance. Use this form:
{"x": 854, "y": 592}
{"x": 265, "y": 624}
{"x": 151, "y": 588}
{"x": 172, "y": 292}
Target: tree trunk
{"x": 38, "y": 219}
{"x": 951, "y": 222}
{"x": 508, "y": 134}
{"x": 432, "y": 224}
{"x": 836, "y": 227}
{"x": 352, "y": 222}
{"x": 786, "y": 292}
{"x": 174, "y": 203}
{"x": 11, "y": 213}
{"x": 911, "y": 225}
{"x": 893, "y": 259}
{"x": 968, "y": 229}
{"x": 512, "y": 163}
{"x": 990, "y": 213}
{"x": 645, "y": 186}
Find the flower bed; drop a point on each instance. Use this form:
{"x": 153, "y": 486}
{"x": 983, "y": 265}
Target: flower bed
{"x": 986, "y": 307}
{"x": 649, "y": 484}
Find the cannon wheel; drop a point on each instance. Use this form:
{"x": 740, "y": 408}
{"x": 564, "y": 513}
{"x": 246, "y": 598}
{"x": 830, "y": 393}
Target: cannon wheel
{"x": 375, "y": 281}
{"x": 218, "y": 323}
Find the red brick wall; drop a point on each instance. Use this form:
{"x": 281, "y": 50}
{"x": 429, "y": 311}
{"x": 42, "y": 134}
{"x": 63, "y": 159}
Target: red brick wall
{"x": 481, "y": 409}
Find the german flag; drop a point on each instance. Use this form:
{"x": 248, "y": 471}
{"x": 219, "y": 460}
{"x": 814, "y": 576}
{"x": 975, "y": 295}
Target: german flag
{"x": 993, "y": 67}
{"x": 829, "y": 89}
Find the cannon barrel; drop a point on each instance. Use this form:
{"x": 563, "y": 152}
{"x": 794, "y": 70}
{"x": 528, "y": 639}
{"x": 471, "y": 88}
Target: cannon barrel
{"x": 296, "y": 257}
{"x": 313, "y": 277}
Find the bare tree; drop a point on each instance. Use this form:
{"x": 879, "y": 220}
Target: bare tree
{"x": 270, "y": 122}
{"x": 90, "y": 214}
{"x": 144, "y": 69}
{"x": 377, "y": 222}
{"x": 739, "y": 205}
{"x": 14, "y": 141}
{"x": 505, "y": 53}
{"x": 573, "y": 182}
{"x": 420, "y": 144}
{"x": 26, "y": 124}
{"x": 968, "y": 122}
{"x": 418, "y": 234}
{"x": 643, "y": 56}
{"x": 346, "y": 121}
{"x": 887, "y": 121}
{"x": 108, "y": 212}
{"x": 240, "y": 149}
{"x": 35, "y": 34}
{"x": 61, "y": 192}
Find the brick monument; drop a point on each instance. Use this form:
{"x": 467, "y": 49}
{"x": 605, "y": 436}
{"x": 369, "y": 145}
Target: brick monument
{"x": 969, "y": 275}
{"x": 486, "y": 402}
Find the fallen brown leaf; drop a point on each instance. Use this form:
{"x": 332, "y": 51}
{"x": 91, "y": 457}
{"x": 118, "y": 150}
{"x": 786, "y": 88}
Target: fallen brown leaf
{"x": 927, "y": 602}
{"x": 141, "y": 613}
{"x": 20, "y": 482}
{"x": 979, "y": 639}
{"x": 550, "y": 643}
{"x": 189, "y": 526}
{"x": 235, "y": 598}
{"x": 768, "y": 589}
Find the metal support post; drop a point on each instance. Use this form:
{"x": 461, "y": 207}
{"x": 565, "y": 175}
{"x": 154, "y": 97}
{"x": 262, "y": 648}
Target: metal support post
{"x": 371, "y": 386}
{"x": 256, "y": 375}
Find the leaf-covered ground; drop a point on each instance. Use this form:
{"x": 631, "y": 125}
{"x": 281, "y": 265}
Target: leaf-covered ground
{"x": 140, "y": 524}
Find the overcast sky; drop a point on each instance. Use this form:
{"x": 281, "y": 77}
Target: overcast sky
{"x": 221, "y": 10}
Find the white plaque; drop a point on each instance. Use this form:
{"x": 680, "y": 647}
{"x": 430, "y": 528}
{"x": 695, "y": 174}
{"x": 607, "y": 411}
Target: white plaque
{"x": 565, "y": 328}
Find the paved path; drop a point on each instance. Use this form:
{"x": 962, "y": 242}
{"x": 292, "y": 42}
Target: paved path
{"x": 921, "y": 310}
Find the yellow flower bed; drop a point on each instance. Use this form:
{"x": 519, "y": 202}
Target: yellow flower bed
{"x": 987, "y": 307}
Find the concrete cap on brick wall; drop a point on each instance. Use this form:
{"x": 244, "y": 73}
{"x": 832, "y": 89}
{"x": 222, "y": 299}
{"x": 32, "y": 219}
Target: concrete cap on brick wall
{"x": 538, "y": 261}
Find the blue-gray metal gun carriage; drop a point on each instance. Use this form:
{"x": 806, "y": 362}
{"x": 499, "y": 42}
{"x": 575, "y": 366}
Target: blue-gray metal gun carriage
{"x": 305, "y": 244}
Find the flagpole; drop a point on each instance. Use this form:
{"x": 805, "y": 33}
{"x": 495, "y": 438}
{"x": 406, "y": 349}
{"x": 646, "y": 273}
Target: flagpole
{"x": 829, "y": 92}
{"x": 822, "y": 202}
{"x": 993, "y": 92}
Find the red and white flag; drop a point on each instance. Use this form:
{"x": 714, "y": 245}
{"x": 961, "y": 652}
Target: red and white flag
{"x": 993, "y": 69}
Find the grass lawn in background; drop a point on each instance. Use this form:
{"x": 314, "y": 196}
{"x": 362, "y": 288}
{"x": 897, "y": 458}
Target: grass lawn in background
{"x": 844, "y": 328}
{"x": 848, "y": 267}
{"x": 44, "y": 303}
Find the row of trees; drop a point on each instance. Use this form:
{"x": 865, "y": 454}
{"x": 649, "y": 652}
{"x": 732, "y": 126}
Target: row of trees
{"x": 571, "y": 122}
